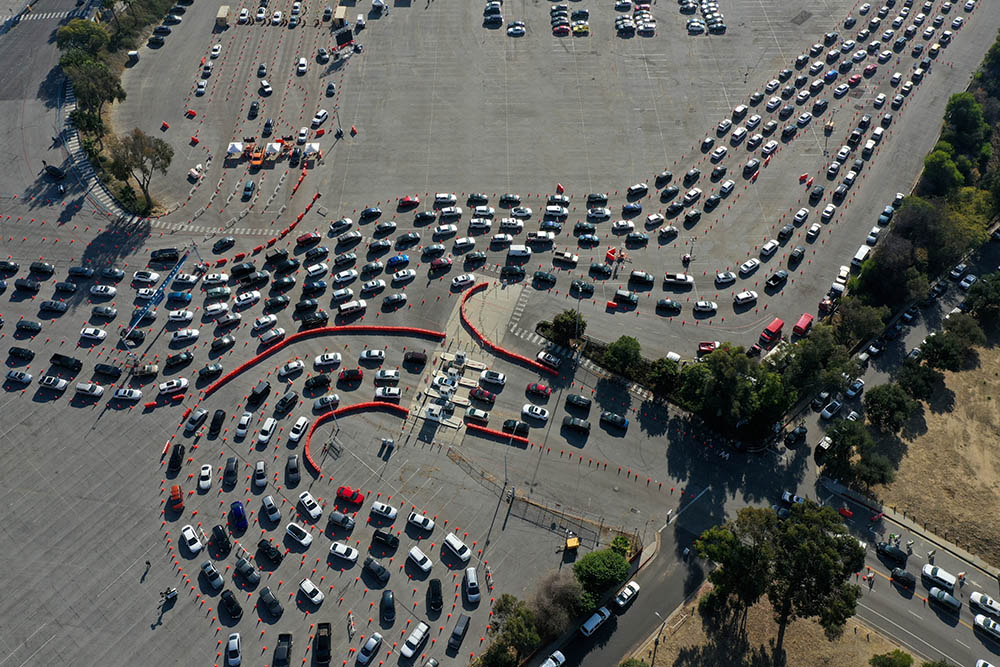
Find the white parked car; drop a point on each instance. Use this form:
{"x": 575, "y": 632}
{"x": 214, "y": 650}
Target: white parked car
{"x": 463, "y": 280}
{"x": 93, "y": 333}
{"x": 103, "y": 290}
{"x": 372, "y": 354}
{"x": 299, "y": 534}
{"x": 383, "y": 510}
{"x": 420, "y": 559}
{"x": 89, "y": 389}
{"x": 328, "y": 359}
{"x": 205, "y": 478}
{"x": 745, "y": 297}
{"x": 216, "y": 309}
{"x": 311, "y": 591}
{"x": 215, "y": 279}
{"x": 180, "y": 316}
{"x": 266, "y": 430}
{"x": 310, "y": 505}
{"x": 184, "y": 335}
{"x": 190, "y": 539}
{"x": 127, "y": 394}
{"x": 317, "y": 270}
{"x": 769, "y": 248}
{"x": 247, "y": 299}
{"x": 404, "y": 275}
{"x": 535, "y": 412}
{"x": 388, "y": 392}
{"x": 347, "y": 552}
{"x": 493, "y": 377}
{"x": 290, "y": 367}
{"x": 705, "y": 306}
{"x": 298, "y": 429}
{"x": 420, "y": 521}
{"x": 177, "y": 384}
{"x": 265, "y": 321}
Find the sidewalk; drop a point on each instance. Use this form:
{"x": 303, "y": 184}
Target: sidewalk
{"x": 890, "y": 514}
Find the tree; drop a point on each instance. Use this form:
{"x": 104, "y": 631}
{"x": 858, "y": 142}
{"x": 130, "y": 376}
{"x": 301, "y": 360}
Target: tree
{"x": 849, "y": 440}
{"x": 817, "y": 362}
{"x": 664, "y": 376}
{"x": 894, "y": 658}
{"x": 984, "y": 299}
{"x": 873, "y": 468}
{"x": 94, "y": 84}
{"x": 814, "y": 558}
{"x": 941, "y": 175}
{"x": 888, "y": 407}
{"x": 742, "y": 551}
{"x": 945, "y": 351}
{"x": 857, "y": 322}
{"x": 965, "y": 328}
{"x": 623, "y": 354}
{"x": 964, "y": 124}
{"x": 557, "y": 601}
{"x": 82, "y": 34}
{"x": 516, "y": 625}
{"x": 918, "y": 380}
{"x": 138, "y": 155}
{"x": 622, "y": 545}
{"x": 599, "y": 571}
{"x": 568, "y": 325}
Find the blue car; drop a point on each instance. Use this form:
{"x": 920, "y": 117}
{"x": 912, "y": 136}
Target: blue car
{"x": 397, "y": 261}
{"x": 632, "y": 208}
{"x": 371, "y": 212}
{"x": 238, "y": 516}
{"x": 588, "y": 239}
{"x": 184, "y": 297}
{"x": 551, "y": 226}
{"x": 830, "y": 76}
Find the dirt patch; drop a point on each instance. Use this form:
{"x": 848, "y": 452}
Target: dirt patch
{"x": 949, "y": 474}
{"x": 686, "y": 644}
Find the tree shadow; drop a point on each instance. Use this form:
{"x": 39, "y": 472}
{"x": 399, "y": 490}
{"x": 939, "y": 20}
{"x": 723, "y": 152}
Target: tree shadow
{"x": 653, "y": 417}
{"x": 611, "y": 394}
{"x": 50, "y": 88}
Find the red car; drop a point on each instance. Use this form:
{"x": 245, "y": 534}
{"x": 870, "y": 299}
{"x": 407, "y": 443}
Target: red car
{"x": 349, "y": 495}
{"x": 854, "y": 80}
{"x": 871, "y": 69}
{"x": 408, "y": 200}
{"x": 560, "y": 30}
{"x": 351, "y": 374}
{"x": 540, "y": 389}
{"x": 481, "y": 394}
{"x": 311, "y": 237}
{"x": 440, "y": 263}
{"x": 707, "y": 346}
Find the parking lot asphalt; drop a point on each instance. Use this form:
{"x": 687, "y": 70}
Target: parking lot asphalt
{"x": 591, "y": 113}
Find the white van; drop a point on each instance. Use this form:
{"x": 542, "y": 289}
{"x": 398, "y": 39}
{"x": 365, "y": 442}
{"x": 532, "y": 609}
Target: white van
{"x": 519, "y": 251}
{"x": 457, "y": 547}
{"x": 860, "y": 256}
{"x": 356, "y": 306}
{"x": 595, "y": 621}
{"x": 869, "y": 148}
{"x": 360, "y": 23}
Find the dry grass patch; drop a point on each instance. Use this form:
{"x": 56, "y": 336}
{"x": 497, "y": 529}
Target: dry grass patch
{"x": 949, "y": 475}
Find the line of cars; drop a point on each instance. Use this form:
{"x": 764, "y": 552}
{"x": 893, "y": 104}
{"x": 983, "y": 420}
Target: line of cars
{"x": 299, "y": 537}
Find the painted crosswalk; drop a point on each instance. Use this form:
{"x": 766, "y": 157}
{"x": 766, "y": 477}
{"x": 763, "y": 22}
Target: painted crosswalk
{"x": 534, "y": 338}
{"x": 43, "y": 16}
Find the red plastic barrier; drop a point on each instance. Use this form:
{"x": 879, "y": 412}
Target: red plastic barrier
{"x": 221, "y": 261}
{"x": 496, "y": 349}
{"x": 341, "y": 412}
{"x": 239, "y": 256}
{"x": 294, "y": 338}
{"x": 271, "y": 242}
{"x": 494, "y": 432}
{"x": 150, "y": 404}
{"x": 257, "y": 249}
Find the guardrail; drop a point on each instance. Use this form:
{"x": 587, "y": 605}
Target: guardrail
{"x": 294, "y": 338}
{"x": 493, "y": 347}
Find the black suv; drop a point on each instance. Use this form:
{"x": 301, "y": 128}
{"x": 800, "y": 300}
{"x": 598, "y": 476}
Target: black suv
{"x": 578, "y": 401}
{"x": 387, "y": 607}
{"x": 231, "y": 604}
{"x": 176, "y": 458}
{"x": 272, "y": 552}
{"x": 286, "y": 402}
{"x": 386, "y": 538}
{"x": 376, "y": 569}
{"x": 892, "y": 552}
{"x": 515, "y": 426}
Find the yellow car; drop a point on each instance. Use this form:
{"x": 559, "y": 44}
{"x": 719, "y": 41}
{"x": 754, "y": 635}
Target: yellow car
{"x": 581, "y": 29}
